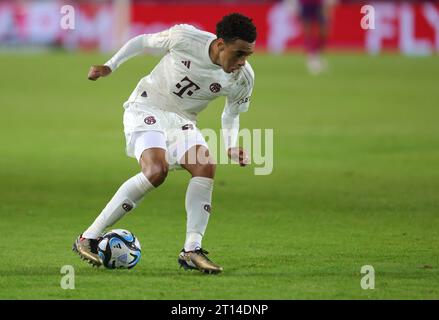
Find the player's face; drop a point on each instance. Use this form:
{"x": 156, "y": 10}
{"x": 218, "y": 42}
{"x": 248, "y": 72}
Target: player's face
{"x": 233, "y": 55}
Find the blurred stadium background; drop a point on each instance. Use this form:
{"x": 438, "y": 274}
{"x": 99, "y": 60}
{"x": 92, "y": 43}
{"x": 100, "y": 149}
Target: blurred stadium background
{"x": 356, "y": 154}
{"x": 410, "y": 27}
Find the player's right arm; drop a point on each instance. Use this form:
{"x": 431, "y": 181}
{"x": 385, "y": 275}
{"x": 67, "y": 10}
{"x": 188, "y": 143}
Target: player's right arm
{"x": 156, "y": 43}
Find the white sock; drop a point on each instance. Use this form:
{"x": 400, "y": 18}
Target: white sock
{"x": 125, "y": 199}
{"x": 198, "y": 206}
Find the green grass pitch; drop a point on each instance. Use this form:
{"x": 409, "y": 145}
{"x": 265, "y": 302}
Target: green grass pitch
{"x": 355, "y": 182}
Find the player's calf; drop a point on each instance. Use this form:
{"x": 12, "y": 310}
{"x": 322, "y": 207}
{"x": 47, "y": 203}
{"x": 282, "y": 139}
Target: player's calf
{"x": 198, "y": 162}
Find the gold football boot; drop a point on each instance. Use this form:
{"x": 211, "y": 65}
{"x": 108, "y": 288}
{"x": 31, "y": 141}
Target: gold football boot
{"x": 198, "y": 260}
{"x": 88, "y": 250}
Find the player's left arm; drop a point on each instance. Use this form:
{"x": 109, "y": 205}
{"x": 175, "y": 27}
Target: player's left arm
{"x": 237, "y": 101}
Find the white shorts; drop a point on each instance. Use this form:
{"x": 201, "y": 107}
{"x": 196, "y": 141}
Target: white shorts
{"x": 149, "y": 127}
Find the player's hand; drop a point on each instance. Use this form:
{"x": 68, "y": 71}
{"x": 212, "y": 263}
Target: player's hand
{"x": 98, "y": 71}
{"x": 239, "y": 155}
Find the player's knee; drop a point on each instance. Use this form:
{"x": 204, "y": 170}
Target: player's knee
{"x": 156, "y": 173}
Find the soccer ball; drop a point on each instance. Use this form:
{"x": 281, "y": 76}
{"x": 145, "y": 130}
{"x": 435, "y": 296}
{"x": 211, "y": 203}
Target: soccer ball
{"x": 119, "y": 249}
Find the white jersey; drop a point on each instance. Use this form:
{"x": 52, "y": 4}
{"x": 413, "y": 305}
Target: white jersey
{"x": 186, "y": 80}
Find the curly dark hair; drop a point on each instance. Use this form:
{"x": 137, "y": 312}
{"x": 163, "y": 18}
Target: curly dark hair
{"x": 236, "y": 26}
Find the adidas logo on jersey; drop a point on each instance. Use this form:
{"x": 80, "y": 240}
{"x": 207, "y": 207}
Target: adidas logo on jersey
{"x": 187, "y": 64}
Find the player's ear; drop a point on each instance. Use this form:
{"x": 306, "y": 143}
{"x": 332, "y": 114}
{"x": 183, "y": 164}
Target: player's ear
{"x": 221, "y": 44}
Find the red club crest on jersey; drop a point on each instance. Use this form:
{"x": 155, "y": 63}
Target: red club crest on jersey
{"x": 215, "y": 87}
{"x": 150, "y": 120}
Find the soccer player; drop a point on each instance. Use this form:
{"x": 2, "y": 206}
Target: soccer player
{"x": 160, "y": 123}
{"x": 314, "y": 15}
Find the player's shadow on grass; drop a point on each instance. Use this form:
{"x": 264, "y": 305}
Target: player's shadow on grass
{"x": 31, "y": 271}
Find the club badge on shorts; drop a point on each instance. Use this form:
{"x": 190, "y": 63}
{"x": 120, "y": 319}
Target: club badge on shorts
{"x": 150, "y": 120}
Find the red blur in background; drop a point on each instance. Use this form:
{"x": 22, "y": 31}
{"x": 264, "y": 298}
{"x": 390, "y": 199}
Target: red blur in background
{"x": 410, "y": 28}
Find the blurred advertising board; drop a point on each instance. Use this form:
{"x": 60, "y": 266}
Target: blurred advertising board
{"x": 409, "y": 28}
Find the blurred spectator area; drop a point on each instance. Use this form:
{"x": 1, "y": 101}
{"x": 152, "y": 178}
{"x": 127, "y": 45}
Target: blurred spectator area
{"x": 409, "y": 26}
